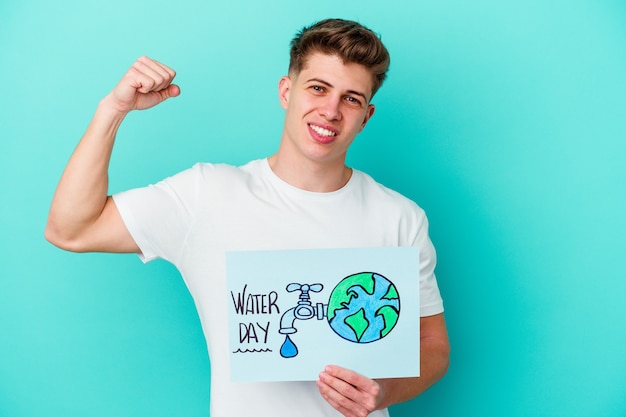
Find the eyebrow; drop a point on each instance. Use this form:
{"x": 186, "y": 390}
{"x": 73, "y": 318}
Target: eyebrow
{"x": 326, "y": 83}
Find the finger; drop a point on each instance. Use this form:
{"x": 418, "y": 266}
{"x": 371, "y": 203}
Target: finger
{"x": 166, "y": 73}
{"x": 344, "y": 405}
{"x": 156, "y": 66}
{"x": 159, "y": 70}
{"x": 361, "y": 382}
{"x": 358, "y": 395}
{"x": 173, "y": 90}
{"x": 353, "y": 385}
{"x": 171, "y": 73}
{"x": 150, "y": 77}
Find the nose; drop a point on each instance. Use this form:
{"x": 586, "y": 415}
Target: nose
{"x": 331, "y": 108}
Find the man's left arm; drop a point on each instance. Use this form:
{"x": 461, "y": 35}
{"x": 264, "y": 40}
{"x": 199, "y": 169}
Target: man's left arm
{"x": 355, "y": 395}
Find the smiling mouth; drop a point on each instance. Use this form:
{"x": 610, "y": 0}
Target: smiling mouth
{"x": 322, "y": 131}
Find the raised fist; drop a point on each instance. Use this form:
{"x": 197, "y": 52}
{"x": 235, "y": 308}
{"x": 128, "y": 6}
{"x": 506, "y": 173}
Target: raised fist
{"x": 146, "y": 84}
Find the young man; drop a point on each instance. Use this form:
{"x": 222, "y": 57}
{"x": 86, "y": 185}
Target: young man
{"x": 303, "y": 196}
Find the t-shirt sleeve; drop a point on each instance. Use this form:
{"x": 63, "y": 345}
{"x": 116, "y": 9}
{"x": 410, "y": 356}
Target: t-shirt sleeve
{"x": 431, "y": 302}
{"x": 160, "y": 215}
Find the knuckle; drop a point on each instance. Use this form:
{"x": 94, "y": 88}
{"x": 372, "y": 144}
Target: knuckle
{"x": 375, "y": 388}
{"x": 343, "y": 402}
{"x": 370, "y": 405}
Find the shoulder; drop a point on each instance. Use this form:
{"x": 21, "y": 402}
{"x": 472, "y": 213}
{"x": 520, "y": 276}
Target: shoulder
{"x": 393, "y": 211}
{"x": 205, "y": 172}
{"x": 385, "y": 196}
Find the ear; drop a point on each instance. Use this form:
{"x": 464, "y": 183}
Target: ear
{"x": 368, "y": 115}
{"x": 284, "y": 86}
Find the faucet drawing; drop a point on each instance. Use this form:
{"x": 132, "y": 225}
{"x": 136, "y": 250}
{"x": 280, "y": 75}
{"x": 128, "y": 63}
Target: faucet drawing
{"x": 304, "y": 310}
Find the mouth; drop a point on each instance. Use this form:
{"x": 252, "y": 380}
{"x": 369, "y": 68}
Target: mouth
{"x": 322, "y": 134}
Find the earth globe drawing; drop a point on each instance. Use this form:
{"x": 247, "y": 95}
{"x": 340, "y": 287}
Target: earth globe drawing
{"x": 363, "y": 307}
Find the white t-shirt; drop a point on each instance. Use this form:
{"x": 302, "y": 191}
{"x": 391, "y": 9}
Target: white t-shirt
{"x": 193, "y": 218}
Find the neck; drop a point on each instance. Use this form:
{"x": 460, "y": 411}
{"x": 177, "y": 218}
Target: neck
{"x": 310, "y": 176}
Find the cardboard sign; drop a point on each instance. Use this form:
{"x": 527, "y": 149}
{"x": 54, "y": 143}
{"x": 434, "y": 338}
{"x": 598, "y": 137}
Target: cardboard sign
{"x": 293, "y": 312}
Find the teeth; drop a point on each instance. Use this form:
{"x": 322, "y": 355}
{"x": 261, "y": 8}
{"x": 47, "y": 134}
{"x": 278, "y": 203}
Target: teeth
{"x": 322, "y": 131}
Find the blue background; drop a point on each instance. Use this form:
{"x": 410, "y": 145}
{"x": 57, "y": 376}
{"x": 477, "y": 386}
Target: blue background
{"x": 504, "y": 120}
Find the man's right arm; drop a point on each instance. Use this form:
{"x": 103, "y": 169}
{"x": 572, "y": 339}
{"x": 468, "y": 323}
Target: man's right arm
{"x": 83, "y": 217}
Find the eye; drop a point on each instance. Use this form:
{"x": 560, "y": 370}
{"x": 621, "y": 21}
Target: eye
{"x": 317, "y": 88}
{"x": 353, "y": 101}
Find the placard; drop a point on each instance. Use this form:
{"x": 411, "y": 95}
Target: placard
{"x": 293, "y": 312}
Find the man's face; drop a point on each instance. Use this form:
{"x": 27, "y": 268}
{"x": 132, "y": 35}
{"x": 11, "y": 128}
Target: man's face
{"x": 327, "y": 105}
